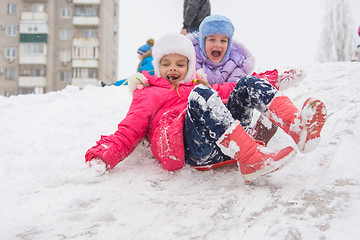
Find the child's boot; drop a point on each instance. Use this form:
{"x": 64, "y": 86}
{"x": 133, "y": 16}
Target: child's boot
{"x": 303, "y": 126}
{"x": 253, "y": 159}
{"x": 263, "y": 130}
{"x": 290, "y": 78}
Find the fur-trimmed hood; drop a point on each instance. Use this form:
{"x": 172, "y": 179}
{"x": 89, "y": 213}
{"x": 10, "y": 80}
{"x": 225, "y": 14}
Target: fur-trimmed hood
{"x": 239, "y": 62}
{"x": 175, "y": 43}
{"x": 216, "y": 24}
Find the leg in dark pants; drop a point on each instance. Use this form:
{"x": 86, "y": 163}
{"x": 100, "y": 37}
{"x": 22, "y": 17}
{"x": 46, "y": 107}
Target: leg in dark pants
{"x": 250, "y": 93}
{"x": 206, "y": 120}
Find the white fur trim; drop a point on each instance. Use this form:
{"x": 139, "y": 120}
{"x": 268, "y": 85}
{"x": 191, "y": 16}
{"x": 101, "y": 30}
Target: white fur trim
{"x": 175, "y": 43}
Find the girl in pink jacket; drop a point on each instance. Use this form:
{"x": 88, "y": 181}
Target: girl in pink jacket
{"x": 161, "y": 102}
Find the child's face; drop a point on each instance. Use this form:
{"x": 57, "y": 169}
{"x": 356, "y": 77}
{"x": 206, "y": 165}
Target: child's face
{"x": 173, "y": 67}
{"x": 216, "y": 46}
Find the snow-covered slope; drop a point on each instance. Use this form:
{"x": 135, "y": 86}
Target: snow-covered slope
{"x": 46, "y": 193}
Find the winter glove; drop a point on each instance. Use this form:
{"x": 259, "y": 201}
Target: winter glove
{"x": 201, "y": 78}
{"x": 137, "y": 81}
{"x": 97, "y": 167}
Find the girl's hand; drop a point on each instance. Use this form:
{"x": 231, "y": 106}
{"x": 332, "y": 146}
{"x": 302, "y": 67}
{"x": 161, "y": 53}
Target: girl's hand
{"x": 201, "y": 77}
{"x": 201, "y": 81}
{"x": 97, "y": 167}
{"x": 137, "y": 81}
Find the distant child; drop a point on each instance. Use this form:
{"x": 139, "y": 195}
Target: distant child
{"x": 225, "y": 60}
{"x": 160, "y": 103}
{"x": 145, "y": 56}
{"x": 356, "y": 55}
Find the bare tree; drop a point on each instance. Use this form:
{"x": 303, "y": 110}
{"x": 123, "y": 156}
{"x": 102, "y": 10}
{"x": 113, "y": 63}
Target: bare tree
{"x": 337, "y": 41}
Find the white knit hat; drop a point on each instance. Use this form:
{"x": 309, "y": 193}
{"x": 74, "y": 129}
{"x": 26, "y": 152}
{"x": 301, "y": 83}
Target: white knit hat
{"x": 175, "y": 43}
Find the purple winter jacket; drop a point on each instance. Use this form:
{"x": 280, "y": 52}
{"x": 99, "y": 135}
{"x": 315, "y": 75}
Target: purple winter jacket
{"x": 238, "y": 64}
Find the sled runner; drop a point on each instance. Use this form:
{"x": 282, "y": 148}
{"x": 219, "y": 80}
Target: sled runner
{"x": 215, "y": 165}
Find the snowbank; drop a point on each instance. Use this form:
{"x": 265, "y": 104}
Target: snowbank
{"x": 47, "y": 194}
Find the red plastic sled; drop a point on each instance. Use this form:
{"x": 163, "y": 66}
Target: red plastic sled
{"x": 215, "y": 165}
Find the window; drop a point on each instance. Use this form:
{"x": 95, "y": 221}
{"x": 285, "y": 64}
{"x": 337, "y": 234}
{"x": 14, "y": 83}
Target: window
{"x": 12, "y": 9}
{"x": 35, "y": 48}
{"x": 115, "y": 9}
{"x": 26, "y": 90}
{"x": 33, "y": 27}
{"x": 10, "y": 73}
{"x": 10, "y": 53}
{"x": 65, "y": 76}
{"x": 37, "y": 7}
{"x": 65, "y": 12}
{"x": 86, "y": 10}
{"x": 89, "y": 33}
{"x": 11, "y": 30}
{"x": 65, "y": 34}
{"x": 9, "y": 93}
{"x": 65, "y": 56}
{"x": 85, "y": 73}
{"x": 85, "y": 52}
{"x": 32, "y": 71}
{"x": 35, "y": 90}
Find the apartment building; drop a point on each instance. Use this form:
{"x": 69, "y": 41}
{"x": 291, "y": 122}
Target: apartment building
{"x": 46, "y": 45}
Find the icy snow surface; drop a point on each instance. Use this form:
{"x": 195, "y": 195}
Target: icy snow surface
{"x": 47, "y": 193}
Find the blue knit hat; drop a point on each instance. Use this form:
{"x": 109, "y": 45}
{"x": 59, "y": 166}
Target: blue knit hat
{"x": 215, "y": 24}
{"x": 146, "y": 47}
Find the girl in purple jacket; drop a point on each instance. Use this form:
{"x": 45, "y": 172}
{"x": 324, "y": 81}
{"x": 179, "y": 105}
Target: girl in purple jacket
{"x": 225, "y": 60}
{"x": 161, "y": 102}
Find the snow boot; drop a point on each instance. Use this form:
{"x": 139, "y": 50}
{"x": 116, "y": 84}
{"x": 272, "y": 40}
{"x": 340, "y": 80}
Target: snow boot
{"x": 290, "y": 78}
{"x": 303, "y": 126}
{"x": 284, "y": 80}
{"x": 272, "y": 76}
{"x": 263, "y": 130}
{"x": 254, "y": 160}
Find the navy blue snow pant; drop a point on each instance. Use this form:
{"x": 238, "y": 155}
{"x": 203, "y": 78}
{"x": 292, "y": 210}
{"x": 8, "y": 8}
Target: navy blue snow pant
{"x": 207, "y": 117}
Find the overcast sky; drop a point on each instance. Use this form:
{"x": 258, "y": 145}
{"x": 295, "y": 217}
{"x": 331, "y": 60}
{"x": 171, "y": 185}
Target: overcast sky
{"x": 277, "y": 32}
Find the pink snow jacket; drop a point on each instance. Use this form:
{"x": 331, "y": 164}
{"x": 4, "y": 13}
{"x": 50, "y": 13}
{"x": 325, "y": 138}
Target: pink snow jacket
{"x": 157, "y": 112}
{"x": 238, "y": 64}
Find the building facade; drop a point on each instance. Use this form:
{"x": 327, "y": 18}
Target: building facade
{"x": 46, "y": 45}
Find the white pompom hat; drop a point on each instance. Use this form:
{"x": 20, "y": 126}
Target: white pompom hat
{"x": 175, "y": 43}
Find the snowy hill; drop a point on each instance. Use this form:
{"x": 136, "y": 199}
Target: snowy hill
{"x": 47, "y": 194}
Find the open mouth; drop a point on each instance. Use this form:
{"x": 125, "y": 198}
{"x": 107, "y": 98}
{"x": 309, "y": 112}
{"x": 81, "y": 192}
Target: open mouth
{"x": 216, "y": 53}
{"x": 172, "y": 78}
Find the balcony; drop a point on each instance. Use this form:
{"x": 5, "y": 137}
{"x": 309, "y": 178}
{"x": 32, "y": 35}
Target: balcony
{"x": 80, "y": 42}
{"x": 42, "y": 38}
{"x": 85, "y": 63}
{"x": 34, "y": 16}
{"x": 86, "y": 21}
{"x": 82, "y": 82}
{"x": 35, "y": 1}
{"x": 85, "y": 53}
{"x": 31, "y": 81}
{"x": 32, "y": 59}
{"x": 33, "y": 27}
{"x": 88, "y": 2}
